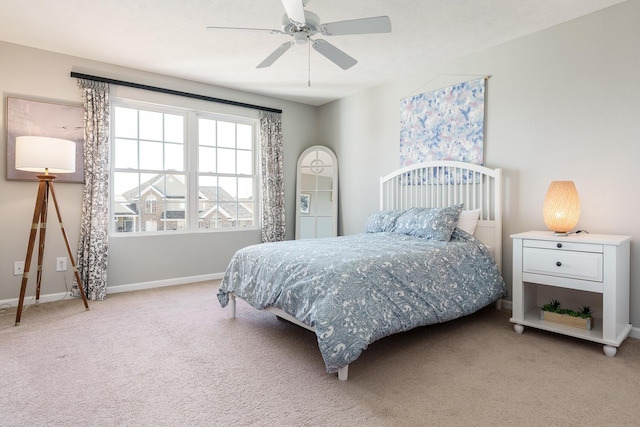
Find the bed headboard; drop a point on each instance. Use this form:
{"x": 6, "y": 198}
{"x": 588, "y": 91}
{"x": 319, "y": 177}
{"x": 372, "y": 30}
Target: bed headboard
{"x": 444, "y": 183}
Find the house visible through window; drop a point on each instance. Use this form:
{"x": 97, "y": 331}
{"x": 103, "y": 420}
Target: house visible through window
{"x": 175, "y": 169}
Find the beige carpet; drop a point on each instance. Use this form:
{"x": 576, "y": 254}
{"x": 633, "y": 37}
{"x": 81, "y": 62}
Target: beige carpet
{"x": 170, "y": 357}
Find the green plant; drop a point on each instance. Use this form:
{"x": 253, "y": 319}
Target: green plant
{"x": 554, "y": 306}
{"x": 585, "y": 311}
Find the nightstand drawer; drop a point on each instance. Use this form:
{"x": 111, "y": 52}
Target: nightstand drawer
{"x": 565, "y": 246}
{"x": 561, "y": 263}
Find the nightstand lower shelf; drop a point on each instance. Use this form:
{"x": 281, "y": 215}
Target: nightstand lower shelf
{"x": 532, "y": 319}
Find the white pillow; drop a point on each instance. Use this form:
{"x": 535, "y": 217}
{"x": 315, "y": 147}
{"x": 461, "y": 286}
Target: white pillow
{"x": 468, "y": 220}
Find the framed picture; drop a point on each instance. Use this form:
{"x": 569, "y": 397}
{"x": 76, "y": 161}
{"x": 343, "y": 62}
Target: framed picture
{"x": 28, "y": 117}
{"x": 305, "y": 202}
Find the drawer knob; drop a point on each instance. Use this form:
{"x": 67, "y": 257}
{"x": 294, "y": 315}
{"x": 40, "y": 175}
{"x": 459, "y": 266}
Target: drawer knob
{"x": 558, "y": 263}
{"x": 559, "y": 245}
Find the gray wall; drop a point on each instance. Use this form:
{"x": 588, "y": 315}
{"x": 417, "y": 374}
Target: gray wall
{"x": 562, "y": 104}
{"x": 33, "y": 73}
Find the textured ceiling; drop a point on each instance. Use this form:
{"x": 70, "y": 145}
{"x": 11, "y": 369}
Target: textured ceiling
{"x": 169, "y": 37}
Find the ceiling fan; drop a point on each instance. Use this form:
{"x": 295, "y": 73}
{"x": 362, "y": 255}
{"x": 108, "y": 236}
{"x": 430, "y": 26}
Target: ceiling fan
{"x": 302, "y": 24}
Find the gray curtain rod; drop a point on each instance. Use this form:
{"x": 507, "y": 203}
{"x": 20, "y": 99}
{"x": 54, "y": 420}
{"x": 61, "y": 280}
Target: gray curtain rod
{"x": 172, "y": 92}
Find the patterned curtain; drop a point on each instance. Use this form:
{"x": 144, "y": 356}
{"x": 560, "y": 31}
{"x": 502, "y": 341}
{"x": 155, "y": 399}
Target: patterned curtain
{"x": 94, "y": 237}
{"x": 273, "y": 226}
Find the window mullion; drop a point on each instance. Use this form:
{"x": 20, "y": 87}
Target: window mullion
{"x": 192, "y": 169}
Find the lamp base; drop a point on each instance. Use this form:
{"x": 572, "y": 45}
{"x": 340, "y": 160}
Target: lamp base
{"x": 561, "y": 233}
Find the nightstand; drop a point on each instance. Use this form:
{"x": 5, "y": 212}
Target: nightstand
{"x": 578, "y": 269}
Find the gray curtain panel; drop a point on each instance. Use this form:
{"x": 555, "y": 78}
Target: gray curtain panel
{"x": 94, "y": 234}
{"x": 273, "y": 218}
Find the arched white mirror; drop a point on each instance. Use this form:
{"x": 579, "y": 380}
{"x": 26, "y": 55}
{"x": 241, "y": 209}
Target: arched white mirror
{"x": 317, "y": 194}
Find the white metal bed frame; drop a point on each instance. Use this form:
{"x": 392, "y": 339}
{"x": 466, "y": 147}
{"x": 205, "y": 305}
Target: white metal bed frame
{"x": 436, "y": 184}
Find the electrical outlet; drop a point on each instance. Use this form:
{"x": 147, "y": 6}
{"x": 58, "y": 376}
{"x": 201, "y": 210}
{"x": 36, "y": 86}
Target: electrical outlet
{"x": 61, "y": 263}
{"x": 18, "y": 268}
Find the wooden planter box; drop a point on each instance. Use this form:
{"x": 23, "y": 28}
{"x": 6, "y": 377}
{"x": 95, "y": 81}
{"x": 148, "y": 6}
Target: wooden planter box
{"x": 564, "y": 319}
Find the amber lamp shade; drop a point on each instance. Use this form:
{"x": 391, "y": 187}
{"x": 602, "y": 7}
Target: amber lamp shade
{"x": 561, "y": 208}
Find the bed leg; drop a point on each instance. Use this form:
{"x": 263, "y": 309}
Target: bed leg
{"x": 343, "y": 373}
{"x": 232, "y": 306}
{"x": 499, "y": 304}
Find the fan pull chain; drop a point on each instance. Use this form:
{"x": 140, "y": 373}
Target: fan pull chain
{"x": 309, "y": 62}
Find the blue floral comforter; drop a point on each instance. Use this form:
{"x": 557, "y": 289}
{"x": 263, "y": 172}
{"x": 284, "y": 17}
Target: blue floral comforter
{"x": 357, "y": 289}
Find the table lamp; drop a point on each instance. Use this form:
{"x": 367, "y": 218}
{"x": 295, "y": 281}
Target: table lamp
{"x": 561, "y": 208}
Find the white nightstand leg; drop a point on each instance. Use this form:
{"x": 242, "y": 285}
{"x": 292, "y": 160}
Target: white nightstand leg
{"x": 518, "y": 328}
{"x": 609, "y": 350}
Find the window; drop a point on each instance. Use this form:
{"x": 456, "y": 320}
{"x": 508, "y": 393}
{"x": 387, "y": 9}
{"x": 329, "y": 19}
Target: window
{"x": 226, "y": 182}
{"x": 150, "y": 205}
{"x": 181, "y": 170}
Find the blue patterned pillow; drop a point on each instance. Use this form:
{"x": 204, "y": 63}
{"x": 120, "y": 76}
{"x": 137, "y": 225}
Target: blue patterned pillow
{"x": 382, "y": 221}
{"x": 429, "y": 223}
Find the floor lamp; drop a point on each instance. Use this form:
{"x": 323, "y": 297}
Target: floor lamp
{"x": 44, "y": 155}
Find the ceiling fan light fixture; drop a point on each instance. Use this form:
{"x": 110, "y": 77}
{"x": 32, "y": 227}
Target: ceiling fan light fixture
{"x": 300, "y": 38}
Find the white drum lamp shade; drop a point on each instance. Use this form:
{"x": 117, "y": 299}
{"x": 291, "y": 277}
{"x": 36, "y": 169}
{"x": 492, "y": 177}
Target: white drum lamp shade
{"x": 561, "y": 208}
{"x": 43, "y": 154}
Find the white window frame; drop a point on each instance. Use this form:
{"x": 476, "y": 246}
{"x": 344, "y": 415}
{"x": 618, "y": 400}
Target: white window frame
{"x": 191, "y": 167}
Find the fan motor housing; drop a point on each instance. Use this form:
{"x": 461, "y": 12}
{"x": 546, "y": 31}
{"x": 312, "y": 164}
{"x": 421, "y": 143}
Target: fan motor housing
{"x": 311, "y": 26}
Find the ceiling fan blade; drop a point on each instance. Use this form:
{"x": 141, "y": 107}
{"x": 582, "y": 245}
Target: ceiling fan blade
{"x": 258, "y": 30}
{"x": 275, "y": 55}
{"x": 295, "y": 11}
{"x": 334, "y": 54}
{"x": 379, "y": 24}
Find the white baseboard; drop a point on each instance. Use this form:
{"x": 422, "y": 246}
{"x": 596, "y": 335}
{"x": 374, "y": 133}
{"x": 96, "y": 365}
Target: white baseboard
{"x": 508, "y": 306}
{"x": 161, "y": 283}
{"x": 30, "y": 299}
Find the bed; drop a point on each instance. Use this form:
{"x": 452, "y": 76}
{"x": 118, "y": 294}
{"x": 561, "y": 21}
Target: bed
{"x": 431, "y": 254}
